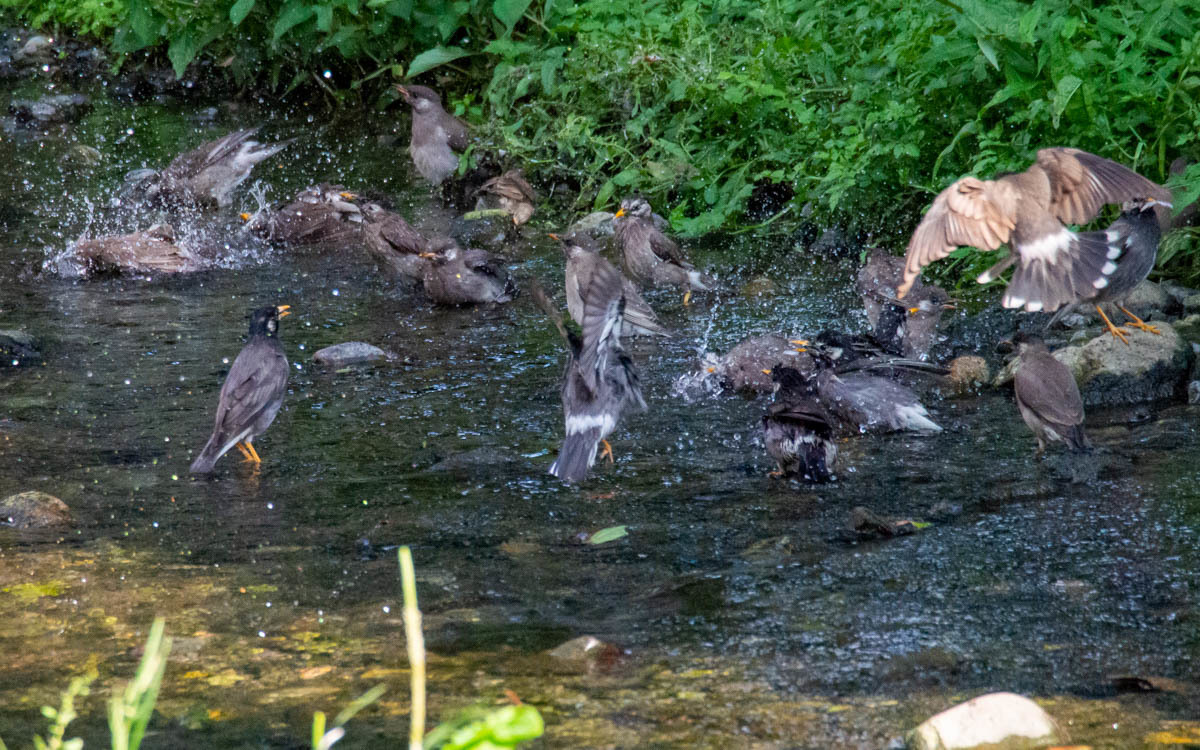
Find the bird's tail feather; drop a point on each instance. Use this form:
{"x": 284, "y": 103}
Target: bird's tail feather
{"x": 1046, "y": 284}
{"x": 1077, "y": 440}
{"x": 208, "y": 457}
{"x": 577, "y": 455}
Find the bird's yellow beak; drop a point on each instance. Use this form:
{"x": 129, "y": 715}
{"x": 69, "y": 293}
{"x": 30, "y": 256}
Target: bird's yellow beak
{"x": 799, "y": 342}
{"x": 283, "y": 310}
{"x": 766, "y": 372}
{"x": 349, "y": 196}
{"x": 428, "y": 256}
{"x": 552, "y": 236}
{"x": 244, "y": 216}
{"x": 620, "y": 212}
{"x": 1157, "y": 202}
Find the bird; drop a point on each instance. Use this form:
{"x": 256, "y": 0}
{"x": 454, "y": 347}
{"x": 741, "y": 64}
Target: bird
{"x": 436, "y": 134}
{"x": 583, "y": 263}
{"x": 1134, "y": 238}
{"x": 394, "y": 243}
{"x": 907, "y": 327}
{"x": 651, "y": 257}
{"x": 464, "y": 277}
{"x": 1030, "y": 210}
{"x": 252, "y": 392}
{"x": 868, "y": 403}
{"x": 208, "y": 174}
{"x": 854, "y": 352}
{"x": 322, "y": 215}
{"x": 509, "y": 192}
{"x": 600, "y": 383}
{"x": 746, "y": 368}
{"x": 1047, "y": 396}
{"x": 797, "y": 429}
{"x": 153, "y": 251}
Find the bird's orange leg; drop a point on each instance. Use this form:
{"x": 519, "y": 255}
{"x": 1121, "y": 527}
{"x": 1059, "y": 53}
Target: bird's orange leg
{"x": 253, "y": 453}
{"x": 242, "y": 447}
{"x": 1112, "y": 328}
{"x": 1139, "y": 323}
{"x": 607, "y": 452}
{"x": 687, "y": 298}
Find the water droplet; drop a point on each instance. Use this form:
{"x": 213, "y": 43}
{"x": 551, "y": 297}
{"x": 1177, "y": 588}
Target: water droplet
{"x": 328, "y": 74}
{"x": 337, "y": 293}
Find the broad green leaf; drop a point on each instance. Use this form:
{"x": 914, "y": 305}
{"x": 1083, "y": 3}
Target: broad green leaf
{"x": 324, "y": 17}
{"x": 989, "y": 51}
{"x": 1029, "y": 23}
{"x": 431, "y": 58}
{"x": 183, "y": 50}
{"x": 146, "y": 23}
{"x": 295, "y": 12}
{"x": 240, "y": 10}
{"x": 513, "y": 724}
{"x": 1066, "y": 88}
{"x": 510, "y": 11}
{"x": 611, "y": 534}
{"x": 397, "y": 8}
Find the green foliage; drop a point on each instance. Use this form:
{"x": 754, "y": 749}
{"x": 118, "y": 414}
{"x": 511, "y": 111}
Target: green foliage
{"x": 65, "y": 714}
{"x": 323, "y": 739}
{"x": 487, "y": 729}
{"x": 129, "y": 712}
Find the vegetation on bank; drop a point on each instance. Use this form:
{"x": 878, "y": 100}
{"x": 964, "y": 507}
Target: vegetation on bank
{"x": 860, "y": 110}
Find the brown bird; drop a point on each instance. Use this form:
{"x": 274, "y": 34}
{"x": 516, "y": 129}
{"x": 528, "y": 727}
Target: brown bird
{"x": 1029, "y": 211}
{"x": 436, "y": 134}
{"x": 465, "y": 277}
{"x": 1047, "y": 396}
{"x": 321, "y": 215}
{"x": 153, "y": 251}
{"x": 208, "y": 174}
{"x": 395, "y": 245}
{"x": 906, "y": 327}
{"x": 508, "y": 192}
{"x": 651, "y": 257}
{"x": 583, "y": 265}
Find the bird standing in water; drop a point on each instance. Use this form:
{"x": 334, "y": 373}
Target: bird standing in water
{"x": 252, "y": 393}
{"x": 652, "y": 257}
{"x": 1029, "y": 211}
{"x": 601, "y": 382}
{"x": 583, "y": 261}
{"x": 437, "y": 135}
{"x": 797, "y": 429}
{"x": 1048, "y": 396}
{"x": 455, "y": 276}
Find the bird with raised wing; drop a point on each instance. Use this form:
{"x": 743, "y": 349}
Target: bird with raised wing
{"x": 208, "y": 174}
{"x": 509, "y": 192}
{"x": 583, "y": 263}
{"x": 797, "y": 429}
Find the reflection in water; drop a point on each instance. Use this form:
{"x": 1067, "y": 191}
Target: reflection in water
{"x": 1023, "y": 581}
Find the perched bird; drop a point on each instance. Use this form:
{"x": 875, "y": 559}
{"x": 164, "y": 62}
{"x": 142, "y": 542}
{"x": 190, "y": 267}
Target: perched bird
{"x": 436, "y": 134}
{"x": 321, "y": 215}
{"x": 508, "y": 192}
{"x": 1029, "y": 211}
{"x": 797, "y": 429}
{"x": 153, "y": 251}
{"x": 207, "y": 174}
{"x": 600, "y": 383}
{"x": 394, "y": 244}
{"x": 907, "y": 327}
{"x": 252, "y": 393}
{"x": 464, "y": 277}
{"x": 868, "y": 403}
{"x": 651, "y": 257}
{"x": 583, "y": 264}
{"x": 1047, "y": 396}
{"x": 1133, "y": 247}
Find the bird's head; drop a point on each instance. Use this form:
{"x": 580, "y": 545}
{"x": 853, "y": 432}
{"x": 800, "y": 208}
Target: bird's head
{"x": 634, "y": 205}
{"x": 422, "y": 99}
{"x": 265, "y": 320}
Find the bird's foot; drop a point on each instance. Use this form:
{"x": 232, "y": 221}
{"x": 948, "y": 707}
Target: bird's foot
{"x": 775, "y": 474}
{"x": 1137, "y": 322}
{"x": 607, "y": 452}
{"x": 253, "y": 454}
{"x": 1116, "y": 332}
{"x": 687, "y": 298}
{"x": 245, "y": 453}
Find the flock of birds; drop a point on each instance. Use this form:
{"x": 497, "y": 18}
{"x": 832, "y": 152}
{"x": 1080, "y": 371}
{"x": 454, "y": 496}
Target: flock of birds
{"x": 837, "y": 381}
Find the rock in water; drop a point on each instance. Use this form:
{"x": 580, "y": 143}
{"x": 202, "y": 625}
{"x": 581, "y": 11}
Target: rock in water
{"x": 996, "y": 721}
{"x": 350, "y": 353}
{"x": 33, "y": 510}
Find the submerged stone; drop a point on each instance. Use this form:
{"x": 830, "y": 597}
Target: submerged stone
{"x": 34, "y": 510}
{"x": 58, "y": 108}
{"x": 17, "y": 347}
{"x": 351, "y": 353}
{"x": 996, "y": 721}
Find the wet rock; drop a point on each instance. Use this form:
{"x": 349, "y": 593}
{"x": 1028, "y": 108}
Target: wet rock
{"x": 996, "y": 721}
{"x": 1191, "y": 304}
{"x": 1177, "y": 293}
{"x": 479, "y": 461}
{"x": 1110, "y": 373}
{"x": 868, "y": 523}
{"x": 488, "y": 230}
{"x": 17, "y": 348}
{"x": 58, "y": 108}
{"x": 1193, "y": 392}
{"x": 37, "y": 48}
{"x": 967, "y": 374}
{"x": 1149, "y": 300}
{"x": 34, "y": 510}
{"x": 585, "y": 654}
{"x": 597, "y": 223}
{"x": 351, "y": 353}
{"x": 759, "y": 287}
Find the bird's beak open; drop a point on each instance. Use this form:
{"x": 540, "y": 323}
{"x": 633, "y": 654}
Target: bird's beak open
{"x": 283, "y": 310}
{"x": 620, "y": 212}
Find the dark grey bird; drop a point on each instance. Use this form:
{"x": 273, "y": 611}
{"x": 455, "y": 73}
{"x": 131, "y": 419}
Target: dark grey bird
{"x": 854, "y": 352}
{"x": 905, "y": 327}
{"x": 322, "y": 215}
{"x": 252, "y": 393}
{"x": 206, "y": 175}
{"x": 437, "y": 135}
{"x": 465, "y": 277}
{"x": 652, "y": 257}
{"x": 394, "y": 243}
{"x": 583, "y": 263}
{"x": 1029, "y": 211}
{"x": 1047, "y": 396}
{"x": 600, "y": 382}
{"x": 509, "y": 192}
{"x": 797, "y": 429}
{"x": 869, "y": 403}
{"x": 1133, "y": 249}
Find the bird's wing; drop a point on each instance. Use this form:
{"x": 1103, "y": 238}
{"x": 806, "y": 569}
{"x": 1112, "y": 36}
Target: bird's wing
{"x": 207, "y": 154}
{"x": 1082, "y": 183}
{"x": 257, "y": 377}
{"x": 511, "y": 185}
{"x": 603, "y": 308}
{"x": 401, "y": 236}
{"x": 667, "y": 249}
{"x": 484, "y": 262}
{"x": 807, "y": 414}
{"x": 458, "y": 135}
{"x": 1051, "y": 393}
{"x": 638, "y": 312}
{"x": 974, "y": 212}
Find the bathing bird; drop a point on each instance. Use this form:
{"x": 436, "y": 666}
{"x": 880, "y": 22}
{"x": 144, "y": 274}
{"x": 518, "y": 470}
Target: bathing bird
{"x": 652, "y": 257}
{"x": 208, "y": 174}
{"x": 797, "y": 429}
{"x": 583, "y": 263}
{"x": 1048, "y": 396}
{"x": 437, "y": 135}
